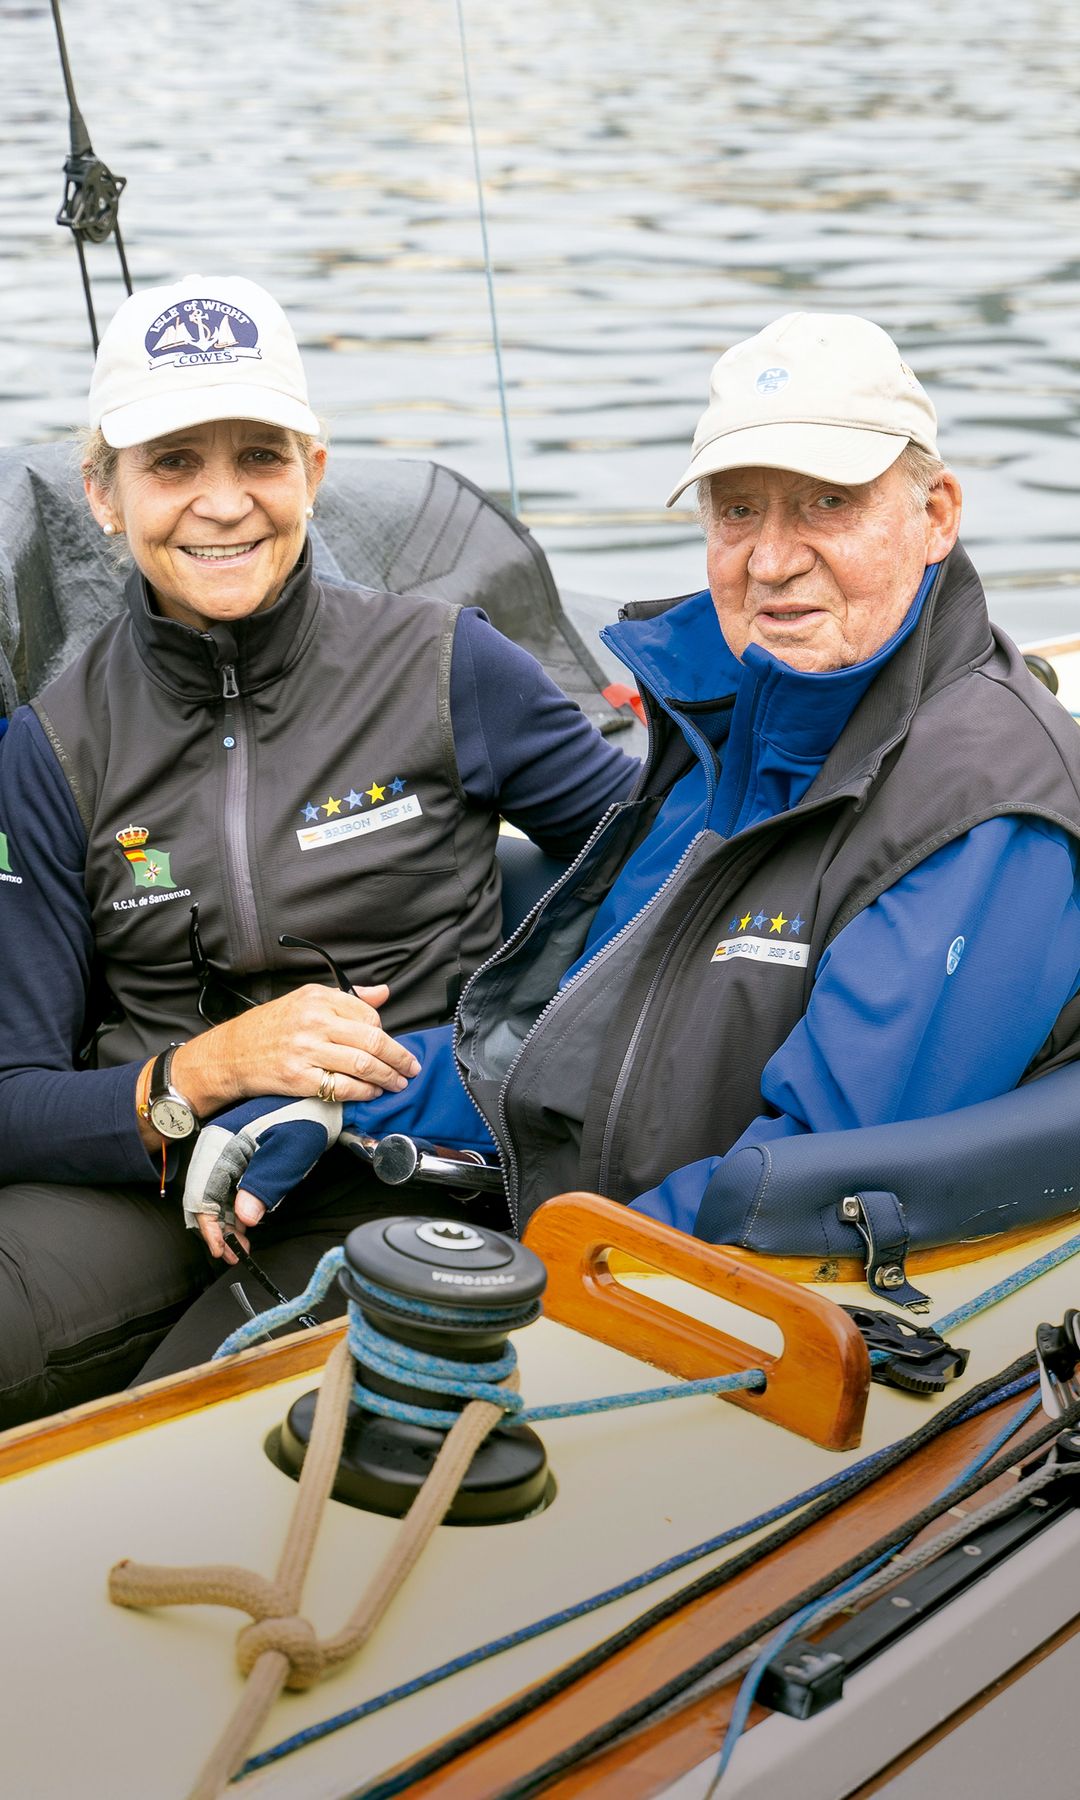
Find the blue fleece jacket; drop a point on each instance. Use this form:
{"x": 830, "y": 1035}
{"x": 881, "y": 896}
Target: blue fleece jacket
{"x": 935, "y": 996}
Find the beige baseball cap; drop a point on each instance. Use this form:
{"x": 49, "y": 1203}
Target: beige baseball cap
{"x": 204, "y": 348}
{"x": 824, "y": 394}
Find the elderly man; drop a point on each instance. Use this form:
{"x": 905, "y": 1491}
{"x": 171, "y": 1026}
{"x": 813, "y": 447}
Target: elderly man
{"x": 845, "y": 891}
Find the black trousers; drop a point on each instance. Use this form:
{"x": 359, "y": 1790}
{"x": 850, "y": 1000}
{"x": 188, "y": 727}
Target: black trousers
{"x": 102, "y": 1287}
{"x": 340, "y": 1194}
{"x": 91, "y": 1279}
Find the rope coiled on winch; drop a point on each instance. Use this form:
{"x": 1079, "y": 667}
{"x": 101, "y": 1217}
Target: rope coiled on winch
{"x": 402, "y": 1363}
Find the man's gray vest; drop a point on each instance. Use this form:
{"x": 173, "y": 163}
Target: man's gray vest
{"x": 292, "y": 773}
{"x": 652, "y": 1057}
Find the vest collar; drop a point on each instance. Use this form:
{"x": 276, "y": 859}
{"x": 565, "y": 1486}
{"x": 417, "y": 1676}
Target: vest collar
{"x": 260, "y": 649}
{"x": 952, "y": 635}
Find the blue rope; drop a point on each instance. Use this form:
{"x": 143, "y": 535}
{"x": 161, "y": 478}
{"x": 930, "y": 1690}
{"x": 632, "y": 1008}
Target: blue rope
{"x": 319, "y": 1286}
{"x": 1007, "y": 1431}
{"x": 510, "y": 1318}
{"x": 328, "y": 1266}
{"x": 595, "y": 1602}
{"x": 1009, "y": 1285}
{"x": 744, "y": 1700}
{"x": 466, "y": 1380}
{"x": 317, "y": 1289}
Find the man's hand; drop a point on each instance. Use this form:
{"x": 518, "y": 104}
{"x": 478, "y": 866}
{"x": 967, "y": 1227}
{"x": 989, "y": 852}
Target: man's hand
{"x": 266, "y": 1145}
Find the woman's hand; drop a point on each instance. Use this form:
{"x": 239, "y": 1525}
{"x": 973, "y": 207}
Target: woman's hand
{"x": 294, "y": 1045}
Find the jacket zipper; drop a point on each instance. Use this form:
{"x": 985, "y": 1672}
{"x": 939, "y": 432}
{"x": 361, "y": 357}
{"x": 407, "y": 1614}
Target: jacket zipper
{"x": 237, "y": 859}
{"x": 507, "y": 1158}
{"x": 593, "y": 963}
{"x": 608, "y": 1144}
{"x": 503, "y": 1142}
{"x": 505, "y": 1150}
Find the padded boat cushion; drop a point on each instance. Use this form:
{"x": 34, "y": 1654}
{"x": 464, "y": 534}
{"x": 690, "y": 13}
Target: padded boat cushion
{"x": 402, "y": 526}
{"x": 997, "y": 1166}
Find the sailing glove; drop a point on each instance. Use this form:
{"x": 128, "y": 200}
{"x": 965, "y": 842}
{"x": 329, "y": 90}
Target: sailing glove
{"x": 264, "y": 1146}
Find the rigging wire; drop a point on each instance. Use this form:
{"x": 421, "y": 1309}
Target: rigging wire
{"x": 488, "y": 271}
{"x": 90, "y": 207}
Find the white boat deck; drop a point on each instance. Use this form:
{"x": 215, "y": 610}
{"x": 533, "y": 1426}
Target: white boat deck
{"x": 132, "y": 1702}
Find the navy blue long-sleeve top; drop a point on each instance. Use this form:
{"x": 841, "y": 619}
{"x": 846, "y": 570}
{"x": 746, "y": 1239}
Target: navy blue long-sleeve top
{"x": 523, "y": 750}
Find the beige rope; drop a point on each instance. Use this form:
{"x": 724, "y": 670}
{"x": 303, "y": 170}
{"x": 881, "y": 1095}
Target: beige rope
{"x": 280, "y": 1648}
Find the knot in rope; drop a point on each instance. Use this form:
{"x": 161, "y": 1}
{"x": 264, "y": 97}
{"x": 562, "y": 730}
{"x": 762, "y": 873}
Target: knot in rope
{"x": 294, "y": 1637}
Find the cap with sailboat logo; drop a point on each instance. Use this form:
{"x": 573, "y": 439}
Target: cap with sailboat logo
{"x": 197, "y": 350}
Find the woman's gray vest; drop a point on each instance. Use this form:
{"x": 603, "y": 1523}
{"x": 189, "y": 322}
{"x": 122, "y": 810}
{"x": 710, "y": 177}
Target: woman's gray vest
{"x": 296, "y": 774}
{"x": 652, "y": 1057}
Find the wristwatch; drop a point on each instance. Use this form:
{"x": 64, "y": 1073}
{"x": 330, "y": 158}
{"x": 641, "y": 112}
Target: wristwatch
{"x": 167, "y": 1110}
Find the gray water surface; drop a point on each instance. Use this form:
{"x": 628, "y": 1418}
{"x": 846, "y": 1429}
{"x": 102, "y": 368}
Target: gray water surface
{"x": 662, "y": 178}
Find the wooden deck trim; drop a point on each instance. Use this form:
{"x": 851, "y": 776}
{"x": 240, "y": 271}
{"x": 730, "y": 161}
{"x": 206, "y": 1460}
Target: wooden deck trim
{"x": 642, "y": 1764}
{"x": 117, "y": 1415}
{"x": 837, "y": 1269}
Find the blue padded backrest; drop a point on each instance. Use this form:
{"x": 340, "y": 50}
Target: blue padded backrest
{"x": 1009, "y": 1162}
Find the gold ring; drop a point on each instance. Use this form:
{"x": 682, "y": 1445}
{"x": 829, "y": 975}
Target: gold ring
{"x": 327, "y": 1088}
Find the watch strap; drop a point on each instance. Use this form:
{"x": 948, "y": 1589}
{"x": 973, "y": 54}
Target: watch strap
{"x": 160, "y": 1075}
{"x": 160, "y": 1086}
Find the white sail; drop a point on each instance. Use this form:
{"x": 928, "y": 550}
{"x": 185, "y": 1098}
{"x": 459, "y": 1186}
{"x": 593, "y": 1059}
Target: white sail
{"x": 223, "y": 338}
{"x": 174, "y": 336}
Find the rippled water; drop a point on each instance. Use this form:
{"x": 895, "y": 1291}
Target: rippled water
{"x": 661, "y": 179}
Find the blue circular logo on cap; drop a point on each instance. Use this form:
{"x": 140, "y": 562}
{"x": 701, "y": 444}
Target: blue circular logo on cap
{"x": 770, "y": 381}
{"x": 956, "y": 951}
{"x": 201, "y": 331}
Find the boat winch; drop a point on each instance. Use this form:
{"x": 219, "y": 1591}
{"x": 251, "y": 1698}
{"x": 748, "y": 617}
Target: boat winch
{"x": 431, "y": 1302}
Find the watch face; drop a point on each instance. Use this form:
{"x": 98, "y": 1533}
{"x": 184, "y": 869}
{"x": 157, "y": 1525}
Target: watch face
{"x": 172, "y": 1117}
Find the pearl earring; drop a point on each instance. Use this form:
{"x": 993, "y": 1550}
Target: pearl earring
{"x": 109, "y": 529}
{"x": 309, "y": 512}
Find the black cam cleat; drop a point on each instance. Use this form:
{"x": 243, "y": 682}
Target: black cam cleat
{"x": 919, "y": 1360}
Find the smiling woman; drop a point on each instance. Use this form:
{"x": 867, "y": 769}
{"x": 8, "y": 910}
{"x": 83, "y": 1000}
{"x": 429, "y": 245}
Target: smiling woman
{"x": 214, "y": 515}
{"x": 246, "y": 754}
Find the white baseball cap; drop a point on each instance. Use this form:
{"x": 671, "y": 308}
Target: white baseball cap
{"x": 823, "y": 394}
{"x": 208, "y": 347}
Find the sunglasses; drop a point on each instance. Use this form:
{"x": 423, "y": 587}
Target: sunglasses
{"x": 218, "y": 999}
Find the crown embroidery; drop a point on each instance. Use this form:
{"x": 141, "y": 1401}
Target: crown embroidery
{"x": 149, "y": 867}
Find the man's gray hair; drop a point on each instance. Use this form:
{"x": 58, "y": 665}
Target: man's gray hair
{"x": 920, "y": 470}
